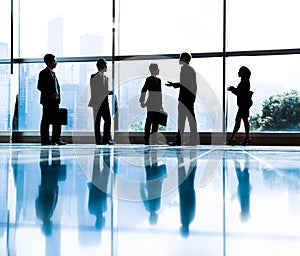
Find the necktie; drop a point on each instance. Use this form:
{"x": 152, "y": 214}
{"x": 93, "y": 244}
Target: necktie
{"x": 55, "y": 81}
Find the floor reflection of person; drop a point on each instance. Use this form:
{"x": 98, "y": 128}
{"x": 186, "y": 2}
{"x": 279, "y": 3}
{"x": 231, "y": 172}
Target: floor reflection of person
{"x": 48, "y": 190}
{"x": 244, "y": 187}
{"x": 98, "y": 188}
{"x": 187, "y": 195}
{"x": 151, "y": 190}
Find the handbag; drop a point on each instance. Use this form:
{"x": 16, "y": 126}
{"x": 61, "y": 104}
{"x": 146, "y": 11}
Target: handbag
{"x": 162, "y": 117}
{"x": 63, "y": 116}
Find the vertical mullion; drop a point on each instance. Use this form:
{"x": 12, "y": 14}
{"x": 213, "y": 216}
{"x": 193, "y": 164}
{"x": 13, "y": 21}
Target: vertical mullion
{"x": 224, "y": 70}
{"x": 11, "y": 37}
{"x": 113, "y": 63}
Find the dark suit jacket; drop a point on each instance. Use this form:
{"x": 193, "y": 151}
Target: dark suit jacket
{"x": 46, "y": 85}
{"x": 99, "y": 90}
{"x": 187, "y": 85}
{"x": 188, "y": 89}
{"x": 154, "y": 100}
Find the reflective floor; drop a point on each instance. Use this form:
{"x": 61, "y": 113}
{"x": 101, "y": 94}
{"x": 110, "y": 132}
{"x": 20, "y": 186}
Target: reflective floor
{"x": 149, "y": 200}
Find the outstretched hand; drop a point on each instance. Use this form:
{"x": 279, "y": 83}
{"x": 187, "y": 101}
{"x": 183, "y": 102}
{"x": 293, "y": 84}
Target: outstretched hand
{"x": 169, "y": 83}
{"x": 230, "y": 88}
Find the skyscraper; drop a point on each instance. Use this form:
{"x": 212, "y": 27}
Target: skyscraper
{"x": 90, "y": 45}
{"x": 55, "y": 36}
{"x": 5, "y": 89}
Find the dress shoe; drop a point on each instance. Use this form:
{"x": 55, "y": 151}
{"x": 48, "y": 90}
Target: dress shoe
{"x": 60, "y": 143}
{"x": 246, "y": 142}
{"x": 175, "y": 143}
{"x": 107, "y": 142}
{"x": 230, "y": 142}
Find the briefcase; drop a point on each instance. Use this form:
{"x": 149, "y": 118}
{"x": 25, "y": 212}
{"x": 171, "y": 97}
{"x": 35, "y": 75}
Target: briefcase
{"x": 63, "y": 116}
{"x": 162, "y": 117}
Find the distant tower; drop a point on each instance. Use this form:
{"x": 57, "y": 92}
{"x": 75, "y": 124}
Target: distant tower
{"x": 5, "y": 89}
{"x": 55, "y": 45}
{"x": 90, "y": 45}
{"x": 55, "y": 36}
{"x": 3, "y": 50}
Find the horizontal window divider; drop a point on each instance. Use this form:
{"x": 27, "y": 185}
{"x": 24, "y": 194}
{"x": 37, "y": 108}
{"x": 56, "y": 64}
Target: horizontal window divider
{"x": 263, "y": 52}
{"x": 157, "y": 56}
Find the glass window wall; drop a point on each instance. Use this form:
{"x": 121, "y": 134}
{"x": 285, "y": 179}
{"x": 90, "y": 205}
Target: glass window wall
{"x": 5, "y": 41}
{"x": 170, "y": 26}
{"x": 83, "y": 32}
{"x": 65, "y": 28}
{"x": 131, "y": 78}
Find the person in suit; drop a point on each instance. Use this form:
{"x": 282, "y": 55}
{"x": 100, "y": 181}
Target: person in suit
{"x": 153, "y": 103}
{"x": 244, "y": 102}
{"x": 186, "y": 100}
{"x": 50, "y": 99}
{"x": 99, "y": 103}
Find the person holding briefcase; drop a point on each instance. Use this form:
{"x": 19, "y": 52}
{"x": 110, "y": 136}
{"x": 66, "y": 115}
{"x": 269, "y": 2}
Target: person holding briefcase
{"x": 153, "y": 103}
{"x": 50, "y": 99}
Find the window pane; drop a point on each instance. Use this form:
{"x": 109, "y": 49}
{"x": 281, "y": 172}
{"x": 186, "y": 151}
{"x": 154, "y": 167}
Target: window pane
{"x": 170, "y": 26}
{"x": 5, "y": 101}
{"x": 74, "y": 83}
{"x": 258, "y": 25}
{"x": 271, "y": 76}
{"x": 64, "y": 28}
{"x": 5, "y": 83}
{"x": 5, "y": 29}
{"x": 132, "y": 75}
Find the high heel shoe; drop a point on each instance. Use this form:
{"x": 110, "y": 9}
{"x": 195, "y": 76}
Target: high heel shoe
{"x": 230, "y": 142}
{"x": 246, "y": 142}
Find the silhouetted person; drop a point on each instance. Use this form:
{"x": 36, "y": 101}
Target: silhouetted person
{"x": 187, "y": 195}
{"x": 152, "y": 189}
{"x": 99, "y": 103}
{"x": 50, "y": 99}
{"x": 244, "y": 102}
{"x": 48, "y": 190}
{"x": 186, "y": 100}
{"x": 244, "y": 187}
{"x": 98, "y": 189}
{"x": 153, "y": 103}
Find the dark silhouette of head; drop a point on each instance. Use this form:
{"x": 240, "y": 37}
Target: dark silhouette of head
{"x": 244, "y": 72}
{"x": 185, "y": 230}
{"x": 101, "y": 63}
{"x": 153, "y": 67}
{"x": 153, "y": 218}
{"x": 49, "y": 58}
{"x": 186, "y": 57}
{"x": 100, "y": 222}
